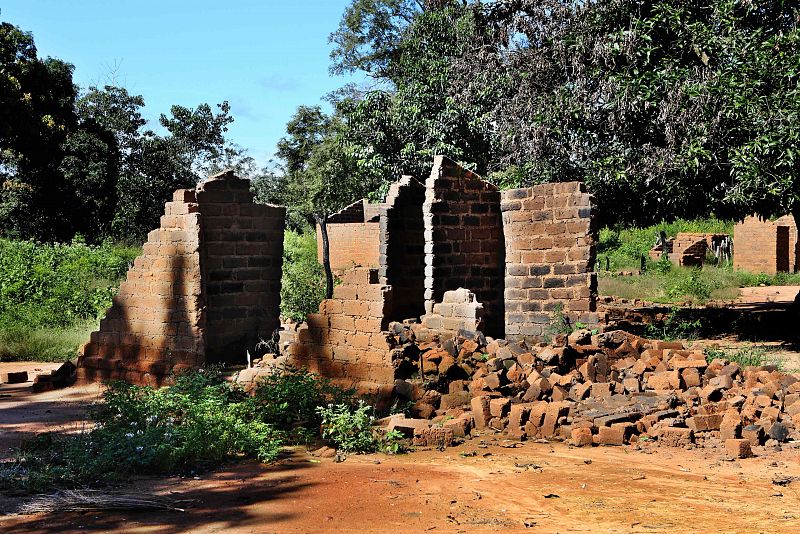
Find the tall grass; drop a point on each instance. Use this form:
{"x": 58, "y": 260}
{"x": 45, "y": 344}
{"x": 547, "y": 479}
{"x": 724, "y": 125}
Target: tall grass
{"x": 667, "y": 283}
{"x": 52, "y": 294}
{"x": 26, "y": 343}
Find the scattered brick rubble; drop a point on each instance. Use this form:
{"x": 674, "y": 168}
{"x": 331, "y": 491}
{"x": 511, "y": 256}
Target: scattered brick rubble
{"x": 612, "y": 388}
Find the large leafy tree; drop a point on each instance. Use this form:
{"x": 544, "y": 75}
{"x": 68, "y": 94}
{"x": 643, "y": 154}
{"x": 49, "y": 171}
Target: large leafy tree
{"x": 86, "y": 163}
{"x": 397, "y": 127}
{"x": 681, "y": 107}
{"x": 36, "y": 114}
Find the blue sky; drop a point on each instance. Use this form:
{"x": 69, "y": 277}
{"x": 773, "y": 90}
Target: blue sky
{"x": 264, "y": 57}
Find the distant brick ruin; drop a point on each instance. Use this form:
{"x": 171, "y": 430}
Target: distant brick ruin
{"x": 764, "y": 246}
{"x": 206, "y": 286}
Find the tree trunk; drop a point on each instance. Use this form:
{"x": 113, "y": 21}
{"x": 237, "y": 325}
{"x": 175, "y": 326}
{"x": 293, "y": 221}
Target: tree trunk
{"x": 326, "y": 255}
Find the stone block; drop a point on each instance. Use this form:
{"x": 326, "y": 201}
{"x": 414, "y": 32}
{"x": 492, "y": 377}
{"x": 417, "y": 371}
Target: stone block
{"x": 739, "y": 448}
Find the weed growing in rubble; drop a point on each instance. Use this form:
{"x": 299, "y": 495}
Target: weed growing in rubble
{"x": 289, "y": 399}
{"x": 349, "y": 429}
{"x": 753, "y": 355}
{"x": 675, "y": 326}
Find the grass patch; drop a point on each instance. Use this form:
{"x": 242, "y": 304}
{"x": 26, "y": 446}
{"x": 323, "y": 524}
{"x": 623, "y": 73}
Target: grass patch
{"x": 25, "y": 343}
{"x": 663, "y": 282}
{"x": 675, "y": 326}
{"x": 753, "y": 355}
{"x": 687, "y": 285}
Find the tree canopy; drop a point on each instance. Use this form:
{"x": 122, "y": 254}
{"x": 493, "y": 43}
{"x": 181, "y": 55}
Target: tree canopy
{"x": 84, "y": 162}
{"x": 683, "y": 108}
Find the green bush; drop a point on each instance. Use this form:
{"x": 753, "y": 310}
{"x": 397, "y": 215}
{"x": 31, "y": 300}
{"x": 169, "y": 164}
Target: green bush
{"x": 198, "y": 423}
{"x": 303, "y": 282}
{"x": 288, "y": 399}
{"x": 58, "y": 285}
{"x": 693, "y": 285}
{"x": 349, "y": 429}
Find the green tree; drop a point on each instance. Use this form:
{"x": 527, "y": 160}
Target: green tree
{"x": 318, "y": 175}
{"x": 36, "y": 114}
{"x": 683, "y": 107}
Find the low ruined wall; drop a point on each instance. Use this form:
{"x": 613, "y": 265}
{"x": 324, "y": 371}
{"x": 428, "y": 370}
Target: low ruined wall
{"x": 550, "y": 254}
{"x": 345, "y": 340}
{"x": 206, "y": 286}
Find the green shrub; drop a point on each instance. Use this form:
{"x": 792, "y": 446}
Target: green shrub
{"x": 288, "y": 399}
{"x": 693, "y": 285}
{"x": 303, "y": 282}
{"x": 58, "y": 285}
{"x": 349, "y": 429}
{"x": 198, "y": 423}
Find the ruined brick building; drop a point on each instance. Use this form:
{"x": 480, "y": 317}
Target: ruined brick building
{"x": 208, "y": 283}
{"x": 522, "y": 255}
{"x": 764, "y": 246}
{"x": 205, "y": 288}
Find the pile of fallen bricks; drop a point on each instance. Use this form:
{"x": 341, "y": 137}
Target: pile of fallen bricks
{"x": 61, "y": 377}
{"x": 611, "y": 388}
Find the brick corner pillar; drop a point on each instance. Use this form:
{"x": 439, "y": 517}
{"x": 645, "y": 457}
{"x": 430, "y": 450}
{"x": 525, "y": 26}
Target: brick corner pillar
{"x": 206, "y": 286}
{"x": 550, "y": 244}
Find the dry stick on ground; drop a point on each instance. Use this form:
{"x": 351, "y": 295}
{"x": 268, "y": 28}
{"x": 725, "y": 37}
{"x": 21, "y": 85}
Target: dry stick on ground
{"x": 92, "y": 500}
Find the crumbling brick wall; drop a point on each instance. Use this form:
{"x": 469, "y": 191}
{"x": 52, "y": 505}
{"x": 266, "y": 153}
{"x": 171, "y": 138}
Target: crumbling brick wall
{"x": 689, "y": 249}
{"x": 463, "y": 239}
{"x": 207, "y": 283}
{"x": 763, "y": 246}
{"x": 353, "y": 236}
{"x": 345, "y": 340}
{"x": 242, "y": 258}
{"x": 550, "y": 254}
{"x": 402, "y": 248}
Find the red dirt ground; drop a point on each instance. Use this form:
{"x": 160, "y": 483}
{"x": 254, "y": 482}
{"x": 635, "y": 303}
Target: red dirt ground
{"x": 475, "y": 487}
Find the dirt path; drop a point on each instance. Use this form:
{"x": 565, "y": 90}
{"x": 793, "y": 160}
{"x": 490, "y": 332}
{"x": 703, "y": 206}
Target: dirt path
{"x": 549, "y": 488}
{"x": 476, "y": 487}
{"x": 24, "y": 414}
